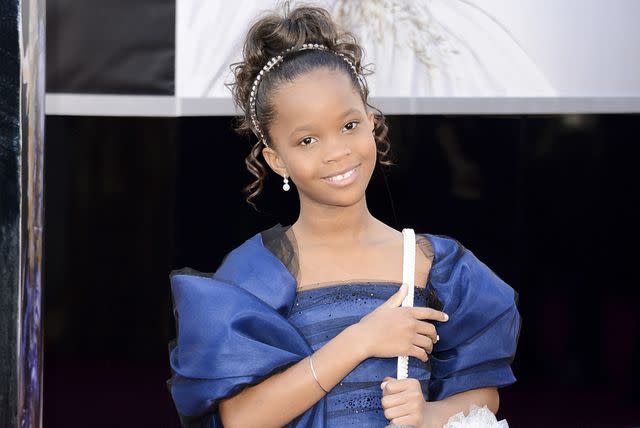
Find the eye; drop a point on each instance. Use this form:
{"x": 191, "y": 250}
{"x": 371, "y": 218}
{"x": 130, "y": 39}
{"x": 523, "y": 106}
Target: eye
{"x": 350, "y": 126}
{"x": 306, "y": 141}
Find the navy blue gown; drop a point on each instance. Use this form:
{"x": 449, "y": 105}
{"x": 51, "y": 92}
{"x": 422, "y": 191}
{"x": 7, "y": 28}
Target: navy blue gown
{"x": 218, "y": 351}
{"x": 322, "y": 313}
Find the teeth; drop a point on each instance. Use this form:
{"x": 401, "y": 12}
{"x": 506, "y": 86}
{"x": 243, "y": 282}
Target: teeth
{"x": 341, "y": 176}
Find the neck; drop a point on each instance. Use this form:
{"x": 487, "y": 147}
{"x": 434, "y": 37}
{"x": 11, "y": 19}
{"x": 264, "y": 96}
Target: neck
{"x": 322, "y": 224}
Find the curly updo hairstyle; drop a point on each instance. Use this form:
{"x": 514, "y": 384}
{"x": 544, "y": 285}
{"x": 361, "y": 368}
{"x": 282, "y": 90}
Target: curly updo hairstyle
{"x": 270, "y": 36}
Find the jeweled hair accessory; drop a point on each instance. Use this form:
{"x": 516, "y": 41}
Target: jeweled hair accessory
{"x": 275, "y": 61}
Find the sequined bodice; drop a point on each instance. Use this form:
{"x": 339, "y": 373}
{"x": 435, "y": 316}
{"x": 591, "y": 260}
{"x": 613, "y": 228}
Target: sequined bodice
{"x": 322, "y": 313}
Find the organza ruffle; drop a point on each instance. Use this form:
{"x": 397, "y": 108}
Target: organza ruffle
{"x": 478, "y": 417}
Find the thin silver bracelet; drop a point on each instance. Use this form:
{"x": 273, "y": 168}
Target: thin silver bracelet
{"x": 314, "y": 374}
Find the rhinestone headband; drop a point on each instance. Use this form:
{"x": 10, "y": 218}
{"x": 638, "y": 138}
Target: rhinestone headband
{"x": 275, "y": 61}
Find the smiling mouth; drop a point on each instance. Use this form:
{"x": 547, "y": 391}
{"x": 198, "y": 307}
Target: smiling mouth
{"x": 342, "y": 177}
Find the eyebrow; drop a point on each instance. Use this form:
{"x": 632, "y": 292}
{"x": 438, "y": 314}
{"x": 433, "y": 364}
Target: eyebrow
{"x": 342, "y": 116}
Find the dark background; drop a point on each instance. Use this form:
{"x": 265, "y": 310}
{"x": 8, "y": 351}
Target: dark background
{"x": 548, "y": 202}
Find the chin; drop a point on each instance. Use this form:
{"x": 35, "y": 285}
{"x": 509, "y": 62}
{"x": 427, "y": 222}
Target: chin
{"x": 340, "y": 197}
{"x": 345, "y": 201}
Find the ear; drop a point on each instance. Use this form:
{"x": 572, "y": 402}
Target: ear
{"x": 274, "y": 161}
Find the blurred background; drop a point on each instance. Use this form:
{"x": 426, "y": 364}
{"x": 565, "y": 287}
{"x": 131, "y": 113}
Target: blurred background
{"x": 547, "y": 201}
{"x": 535, "y": 172}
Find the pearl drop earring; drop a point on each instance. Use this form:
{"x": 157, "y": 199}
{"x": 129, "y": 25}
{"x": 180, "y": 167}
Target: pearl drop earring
{"x": 286, "y": 186}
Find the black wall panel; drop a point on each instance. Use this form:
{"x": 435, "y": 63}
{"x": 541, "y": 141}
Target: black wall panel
{"x": 111, "y": 47}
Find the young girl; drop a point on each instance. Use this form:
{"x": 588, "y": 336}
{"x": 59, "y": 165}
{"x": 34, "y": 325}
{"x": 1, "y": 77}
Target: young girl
{"x": 302, "y": 325}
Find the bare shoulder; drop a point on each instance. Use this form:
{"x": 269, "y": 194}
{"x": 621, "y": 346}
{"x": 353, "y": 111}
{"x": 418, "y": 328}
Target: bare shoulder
{"x": 390, "y": 235}
{"x": 393, "y": 243}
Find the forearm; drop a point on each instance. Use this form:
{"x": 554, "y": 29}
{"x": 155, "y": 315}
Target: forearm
{"x": 282, "y": 397}
{"x": 440, "y": 411}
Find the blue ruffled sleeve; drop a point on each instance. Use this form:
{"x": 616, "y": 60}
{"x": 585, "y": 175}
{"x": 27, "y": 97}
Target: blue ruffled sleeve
{"x": 228, "y": 338}
{"x": 478, "y": 342}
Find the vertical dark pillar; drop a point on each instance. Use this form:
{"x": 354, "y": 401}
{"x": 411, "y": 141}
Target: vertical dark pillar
{"x": 9, "y": 207}
{"x": 22, "y": 29}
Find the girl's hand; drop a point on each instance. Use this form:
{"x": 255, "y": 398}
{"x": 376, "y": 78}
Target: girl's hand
{"x": 391, "y": 330}
{"x": 403, "y": 402}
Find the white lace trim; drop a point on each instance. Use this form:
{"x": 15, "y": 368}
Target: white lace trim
{"x": 478, "y": 417}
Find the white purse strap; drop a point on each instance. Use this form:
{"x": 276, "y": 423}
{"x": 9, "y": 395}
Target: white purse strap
{"x": 408, "y": 272}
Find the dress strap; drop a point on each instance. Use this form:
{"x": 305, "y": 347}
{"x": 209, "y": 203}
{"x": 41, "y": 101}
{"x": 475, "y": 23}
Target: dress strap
{"x": 408, "y": 276}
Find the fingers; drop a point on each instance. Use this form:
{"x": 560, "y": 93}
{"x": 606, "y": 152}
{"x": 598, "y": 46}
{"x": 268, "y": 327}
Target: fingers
{"x": 423, "y": 342}
{"x": 428, "y": 314}
{"x": 398, "y": 411}
{"x": 427, "y": 329}
{"x": 419, "y": 353}
{"x": 392, "y": 400}
{"x": 403, "y": 401}
{"x": 396, "y": 299}
{"x": 408, "y": 420}
{"x": 394, "y": 386}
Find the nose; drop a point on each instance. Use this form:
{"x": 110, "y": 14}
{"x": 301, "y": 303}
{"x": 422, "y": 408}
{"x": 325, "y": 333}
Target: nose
{"x": 336, "y": 150}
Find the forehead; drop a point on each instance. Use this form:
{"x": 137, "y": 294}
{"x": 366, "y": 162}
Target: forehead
{"x": 317, "y": 94}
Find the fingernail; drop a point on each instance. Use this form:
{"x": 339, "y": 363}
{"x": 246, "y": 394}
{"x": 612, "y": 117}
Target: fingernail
{"x": 446, "y": 317}
{"x": 382, "y": 385}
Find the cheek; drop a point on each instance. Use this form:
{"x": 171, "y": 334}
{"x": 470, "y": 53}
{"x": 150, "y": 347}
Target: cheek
{"x": 369, "y": 146}
{"x": 301, "y": 167}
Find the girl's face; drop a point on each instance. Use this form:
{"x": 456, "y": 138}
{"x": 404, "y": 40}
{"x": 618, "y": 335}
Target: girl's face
{"x": 322, "y": 138}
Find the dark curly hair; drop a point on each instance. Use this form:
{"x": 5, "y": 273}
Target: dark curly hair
{"x": 270, "y": 36}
